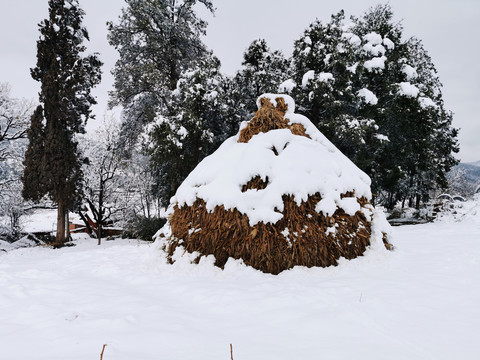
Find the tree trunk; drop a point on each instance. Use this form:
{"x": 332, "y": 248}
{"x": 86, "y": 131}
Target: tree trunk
{"x": 87, "y": 224}
{"x": 67, "y": 225}
{"x": 99, "y": 233}
{"x": 391, "y": 202}
{"x": 60, "y": 237}
{"x": 100, "y": 211}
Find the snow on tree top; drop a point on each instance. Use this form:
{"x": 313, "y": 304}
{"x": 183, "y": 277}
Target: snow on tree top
{"x": 352, "y": 38}
{"x": 309, "y": 75}
{"x": 368, "y": 96}
{"x": 426, "y": 102}
{"x": 287, "y": 86}
{"x": 375, "y": 63}
{"x": 289, "y": 164}
{"x": 325, "y": 77}
{"x": 409, "y": 71}
{"x": 388, "y": 43}
{"x": 408, "y": 89}
{"x": 373, "y": 38}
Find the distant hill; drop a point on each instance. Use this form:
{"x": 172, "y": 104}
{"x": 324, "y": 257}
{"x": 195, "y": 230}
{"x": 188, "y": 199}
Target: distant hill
{"x": 476, "y": 163}
{"x": 464, "y": 179}
{"x": 472, "y": 171}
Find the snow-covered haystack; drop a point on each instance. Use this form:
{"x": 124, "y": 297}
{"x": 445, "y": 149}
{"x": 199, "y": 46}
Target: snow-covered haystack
{"x": 277, "y": 195}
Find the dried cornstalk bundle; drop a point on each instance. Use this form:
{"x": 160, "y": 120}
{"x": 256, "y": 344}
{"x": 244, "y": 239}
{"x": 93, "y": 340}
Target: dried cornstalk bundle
{"x": 256, "y": 183}
{"x": 270, "y": 117}
{"x": 304, "y": 234}
{"x": 302, "y": 237}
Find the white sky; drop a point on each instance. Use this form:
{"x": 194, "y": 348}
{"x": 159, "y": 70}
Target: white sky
{"x": 447, "y": 28}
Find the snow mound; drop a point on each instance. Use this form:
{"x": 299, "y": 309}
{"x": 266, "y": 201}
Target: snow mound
{"x": 291, "y": 164}
{"x": 277, "y": 195}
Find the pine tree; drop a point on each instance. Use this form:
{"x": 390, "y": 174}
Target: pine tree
{"x": 327, "y": 77}
{"x": 157, "y": 41}
{"x": 164, "y": 79}
{"x": 425, "y": 133}
{"x": 66, "y": 79}
{"x": 320, "y": 62}
{"x": 262, "y": 71}
{"x": 378, "y": 99}
{"x": 192, "y": 131}
{"x": 380, "y": 57}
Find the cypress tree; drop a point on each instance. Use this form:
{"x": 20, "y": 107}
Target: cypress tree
{"x": 33, "y": 182}
{"x": 53, "y": 160}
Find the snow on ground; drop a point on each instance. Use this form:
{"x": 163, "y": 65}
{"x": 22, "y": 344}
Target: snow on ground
{"x": 420, "y": 301}
{"x": 40, "y": 221}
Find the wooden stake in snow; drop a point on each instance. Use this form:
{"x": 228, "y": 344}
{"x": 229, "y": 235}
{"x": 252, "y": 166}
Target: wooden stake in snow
{"x": 103, "y": 349}
{"x": 231, "y": 351}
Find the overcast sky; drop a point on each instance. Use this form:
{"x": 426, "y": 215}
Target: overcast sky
{"x": 447, "y": 28}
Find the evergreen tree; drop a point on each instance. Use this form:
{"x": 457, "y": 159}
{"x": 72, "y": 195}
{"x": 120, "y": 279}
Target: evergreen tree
{"x": 67, "y": 78}
{"x": 33, "y": 176}
{"x": 425, "y": 135}
{"x": 262, "y": 71}
{"x": 378, "y": 99}
{"x": 157, "y": 41}
{"x": 380, "y": 57}
{"x": 320, "y": 62}
{"x": 327, "y": 76}
{"x": 181, "y": 140}
{"x": 165, "y": 80}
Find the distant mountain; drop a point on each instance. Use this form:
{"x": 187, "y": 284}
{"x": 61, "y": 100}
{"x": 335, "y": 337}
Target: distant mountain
{"x": 476, "y": 163}
{"x": 472, "y": 171}
{"x": 464, "y": 179}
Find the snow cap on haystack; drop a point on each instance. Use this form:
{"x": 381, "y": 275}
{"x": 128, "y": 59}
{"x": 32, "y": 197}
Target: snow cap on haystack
{"x": 276, "y": 195}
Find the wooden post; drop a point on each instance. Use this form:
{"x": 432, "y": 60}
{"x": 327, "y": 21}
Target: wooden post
{"x": 103, "y": 349}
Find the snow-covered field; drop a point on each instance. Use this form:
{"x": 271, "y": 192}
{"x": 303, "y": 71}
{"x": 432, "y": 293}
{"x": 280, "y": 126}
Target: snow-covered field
{"x": 421, "y": 301}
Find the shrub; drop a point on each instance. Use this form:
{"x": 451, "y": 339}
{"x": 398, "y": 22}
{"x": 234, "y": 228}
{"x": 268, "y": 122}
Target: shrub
{"x": 143, "y": 228}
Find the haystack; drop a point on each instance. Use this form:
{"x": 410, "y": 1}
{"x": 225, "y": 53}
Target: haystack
{"x": 277, "y": 195}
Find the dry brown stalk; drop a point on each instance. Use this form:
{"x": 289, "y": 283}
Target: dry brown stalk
{"x": 299, "y": 238}
{"x": 269, "y": 117}
{"x": 231, "y": 352}
{"x": 103, "y": 349}
{"x": 255, "y": 183}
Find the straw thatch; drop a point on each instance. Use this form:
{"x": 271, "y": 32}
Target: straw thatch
{"x": 303, "y": 236}
{"x": 270, "y": 117}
